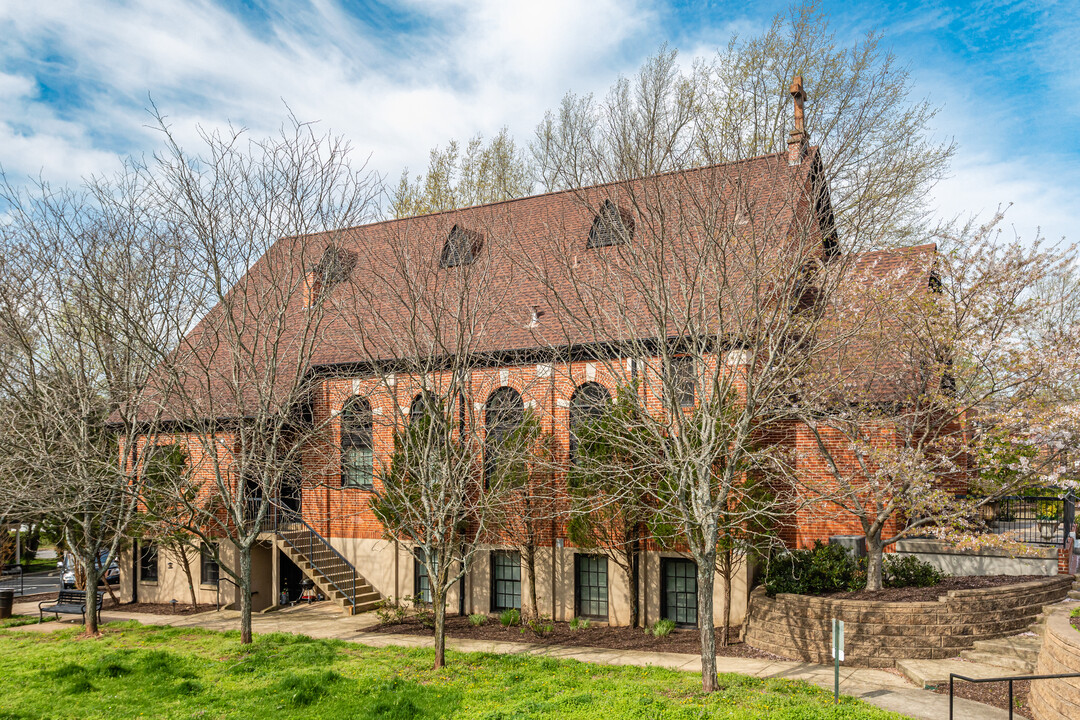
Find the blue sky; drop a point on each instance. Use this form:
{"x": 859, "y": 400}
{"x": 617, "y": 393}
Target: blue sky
{"x": 398, "y": 78}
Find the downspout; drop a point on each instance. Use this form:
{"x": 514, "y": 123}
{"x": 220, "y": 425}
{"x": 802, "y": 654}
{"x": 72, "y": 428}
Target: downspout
{"x": 554, "y": 549}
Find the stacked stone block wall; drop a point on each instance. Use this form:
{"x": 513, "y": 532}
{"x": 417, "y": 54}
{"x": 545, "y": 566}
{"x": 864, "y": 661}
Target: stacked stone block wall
{"x": 1057, "y": 699}
{"x": 877, "y": 634}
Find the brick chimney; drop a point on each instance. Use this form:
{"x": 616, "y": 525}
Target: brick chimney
{"x": 798, "y": 139}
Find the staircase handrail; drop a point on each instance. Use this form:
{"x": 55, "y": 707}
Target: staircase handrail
{"x": 292, "y": 517}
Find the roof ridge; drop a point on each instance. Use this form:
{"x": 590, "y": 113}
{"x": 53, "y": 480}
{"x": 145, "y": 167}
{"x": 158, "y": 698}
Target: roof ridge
{"x": 550, "y": 193}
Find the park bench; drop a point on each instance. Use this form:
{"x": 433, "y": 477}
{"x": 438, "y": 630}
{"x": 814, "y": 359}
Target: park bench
{"x": 69, "y": 602}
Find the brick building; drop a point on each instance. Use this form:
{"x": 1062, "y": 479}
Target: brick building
{"x": 528, "y": 351}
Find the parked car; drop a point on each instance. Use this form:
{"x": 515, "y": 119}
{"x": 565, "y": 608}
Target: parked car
{"x": 67, "y": 576}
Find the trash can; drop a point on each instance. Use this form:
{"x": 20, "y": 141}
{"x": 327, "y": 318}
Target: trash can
{"x": 7, "y": 597}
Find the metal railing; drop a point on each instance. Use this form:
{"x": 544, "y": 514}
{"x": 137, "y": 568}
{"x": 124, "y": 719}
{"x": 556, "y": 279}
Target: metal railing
{"x": 1033, "y": 520}
{"x": 323, "y": 556}
{"x": 1011, "y": 679}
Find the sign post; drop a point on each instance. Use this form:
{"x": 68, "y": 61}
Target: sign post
{"x": 838, "y": 655}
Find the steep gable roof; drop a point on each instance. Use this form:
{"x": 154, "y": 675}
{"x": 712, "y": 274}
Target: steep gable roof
{"x": 770, "y": 197}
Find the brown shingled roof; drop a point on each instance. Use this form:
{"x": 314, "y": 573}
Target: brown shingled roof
{"x": 360, "y": 311}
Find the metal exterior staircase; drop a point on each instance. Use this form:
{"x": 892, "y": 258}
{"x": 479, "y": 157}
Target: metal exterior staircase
{"x": 335, "y": 576}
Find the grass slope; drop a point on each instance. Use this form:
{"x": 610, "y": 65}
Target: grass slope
{"x": 154, "y": 672}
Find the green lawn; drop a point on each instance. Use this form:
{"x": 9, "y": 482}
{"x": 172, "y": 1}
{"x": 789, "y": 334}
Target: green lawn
{"x": 144, "y": 672}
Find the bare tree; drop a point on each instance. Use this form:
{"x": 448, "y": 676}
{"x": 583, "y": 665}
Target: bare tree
{"x": 604, "y": 513}
{"x": 428, "y": 320}
{"x": 91, "y": 277}
{"x": 261, "y": 220}
{"x": 704, "y": 287}
{"x": 878, "y": 154}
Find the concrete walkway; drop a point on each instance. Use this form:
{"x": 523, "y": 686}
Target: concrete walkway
{"x": 878, "y": 687}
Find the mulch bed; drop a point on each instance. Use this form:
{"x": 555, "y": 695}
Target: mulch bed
{"x": 995, "y": 694}
{"x": 681, "y": 640}
{"x": 108, "y": 604}
{"x": 1075, "y": 621}
{"x": 932, "y": 593}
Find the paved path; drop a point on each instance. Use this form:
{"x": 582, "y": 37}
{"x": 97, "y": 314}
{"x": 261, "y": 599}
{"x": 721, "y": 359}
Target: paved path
{"x": 878, "y": 687}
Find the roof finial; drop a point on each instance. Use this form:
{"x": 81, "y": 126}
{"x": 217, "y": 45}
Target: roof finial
{"x": 798, "y": 140}
{"x": 799, "y": 94}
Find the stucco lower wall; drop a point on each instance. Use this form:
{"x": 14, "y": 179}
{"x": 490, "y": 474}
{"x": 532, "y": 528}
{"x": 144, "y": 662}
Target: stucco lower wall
{"x": 1059, "y": 655}
{"x": 172, "y": 583}
{"x": 948, "y": 559}
{"x": 390, "y": 570}
{"x": 877, "y": 634}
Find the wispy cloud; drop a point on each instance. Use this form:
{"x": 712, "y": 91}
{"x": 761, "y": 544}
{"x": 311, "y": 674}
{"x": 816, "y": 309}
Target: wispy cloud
{"x": 400, "y": 77}
{"x": 76, "y": 78}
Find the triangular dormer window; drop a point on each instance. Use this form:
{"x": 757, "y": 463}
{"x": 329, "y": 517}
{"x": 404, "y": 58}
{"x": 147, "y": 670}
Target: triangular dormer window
{"x": 460, "y": 248}
{"x": 610, "y": 227}
{"x": 742, "y": 204}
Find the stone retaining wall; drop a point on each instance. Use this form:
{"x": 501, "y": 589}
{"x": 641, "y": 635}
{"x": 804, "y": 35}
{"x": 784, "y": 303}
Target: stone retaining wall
{"x": 877, "y": 634}
{"x": 1060, "y": 653}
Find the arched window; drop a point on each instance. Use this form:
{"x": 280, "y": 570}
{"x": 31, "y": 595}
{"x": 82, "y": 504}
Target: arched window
{"x": 504, "y": 412}
{"x": 356, "y": 437}
{"x": 587, "y": 403}
{"x": 422, "y": 405}
{"x": 610, "y": 227}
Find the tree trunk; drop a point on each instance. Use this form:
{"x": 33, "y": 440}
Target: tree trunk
{"x": 185, "y": 562}
{"x": 91, "y": 574}
{"x": 726, "y": 571}
{"x": 529, "y": 556}
{"x": 438, "y": 597}
{"x": 705, "y": 581}
{"x": 245, "y": 595}
{"x": 874, "y": 561}
{"x": 634, "y": 579}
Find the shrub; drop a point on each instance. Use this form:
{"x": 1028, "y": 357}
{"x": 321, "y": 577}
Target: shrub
{"x": 510, "y": 617}
{"x": 910, "y": 571}
{"x": 391, "y": 611}
{"x": 824, "y": 569}
{"x": 663, "y": 628}
{"x": 540, "y": 625}
{"x": 580, "y": 624}
{"x": 425, "y": 617}
{"x": 478, "y": 619}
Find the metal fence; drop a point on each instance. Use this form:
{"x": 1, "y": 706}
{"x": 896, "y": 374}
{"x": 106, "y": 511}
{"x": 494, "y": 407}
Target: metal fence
{"x": 1033, "y": 520}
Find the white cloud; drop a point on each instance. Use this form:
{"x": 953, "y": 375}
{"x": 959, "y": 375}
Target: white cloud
{"x": 479, "y": 67}
{"x": 1038, "y": 202}
{"x": 455, "y": 68}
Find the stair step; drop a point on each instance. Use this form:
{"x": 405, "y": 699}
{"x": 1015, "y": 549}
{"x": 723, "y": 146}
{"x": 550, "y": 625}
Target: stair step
{"x": 1074, "y": 595}
{"x": 1001, "y": 662}
{"x": 1025, "y": 648}
{"x": 929, "y": 674}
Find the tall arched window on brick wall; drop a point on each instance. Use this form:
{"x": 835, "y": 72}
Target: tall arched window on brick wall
{"x": 587, "y": 404}
{"x": 504, "y": 412}
{"x": 356, "y": 444}
{"x": 425, "y": 404}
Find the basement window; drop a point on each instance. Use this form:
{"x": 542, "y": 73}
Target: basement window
{"x": 209, "y": 572}
{"x": 461, "y": 247}
{"x": 148, "y": 562}
{"x": 610, "y": 227}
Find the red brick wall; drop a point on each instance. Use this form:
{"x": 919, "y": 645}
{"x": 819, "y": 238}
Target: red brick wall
{"x": 546, "y": 390}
